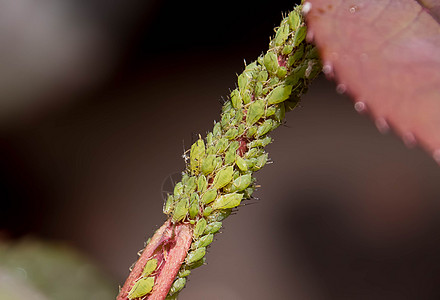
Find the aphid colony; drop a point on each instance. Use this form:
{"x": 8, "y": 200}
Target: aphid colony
{"x": 219, "y": 173}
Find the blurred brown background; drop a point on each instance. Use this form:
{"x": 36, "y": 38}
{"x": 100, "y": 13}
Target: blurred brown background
{"x": 97, "y": 99}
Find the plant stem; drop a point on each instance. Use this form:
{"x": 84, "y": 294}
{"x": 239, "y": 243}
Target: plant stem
{"x": 219, "y": 173}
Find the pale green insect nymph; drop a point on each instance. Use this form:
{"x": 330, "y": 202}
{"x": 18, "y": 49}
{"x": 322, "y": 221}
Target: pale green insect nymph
{"x": 141, "y": 288}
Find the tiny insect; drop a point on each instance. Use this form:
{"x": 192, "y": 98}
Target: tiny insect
{"x": 223, "y": 177}
{"x": 255, "y": 112}
{"x": 195, "y": 255}
{"x": 209, "y": 164}
{"x": 194, "y": 206}
{"x": 208, "y": 210}
{"x": 300, "y": 35}
{"x": 204, "y": 241}
{"x": 212, "y": 227}
{"x": 271, "y": 62}
{"x": 241, "y": 183}
{"x": 279, "y": 94}
{"x": 141, "y": 288}
{"x": 150, "y": 267}
{"x": 241, "y": 164}
{"x": 180, "y": 210}
{"x": 177, "y": 286}
{"x": 196, "y": 155}
{"x": 209, "y": 196}
{"x": 199, "y": 228}
{"x": 227, "y": 201}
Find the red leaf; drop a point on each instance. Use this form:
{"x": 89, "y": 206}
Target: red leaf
{"x": 386, "y": 55}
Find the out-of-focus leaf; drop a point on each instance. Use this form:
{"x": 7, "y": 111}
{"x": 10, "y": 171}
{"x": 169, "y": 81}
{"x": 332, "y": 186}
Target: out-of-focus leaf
{"x": 39, "y": 271}
{"x": 386, "y": 55}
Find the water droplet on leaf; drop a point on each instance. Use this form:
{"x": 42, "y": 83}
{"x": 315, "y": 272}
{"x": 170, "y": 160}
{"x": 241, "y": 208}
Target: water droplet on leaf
{"x": 409, "y": 139}
{"x": 382, "y": 125}
{"x": 306, "y": 8}
{"x": 341, "y": 88}
{"x": 360, "y": 107}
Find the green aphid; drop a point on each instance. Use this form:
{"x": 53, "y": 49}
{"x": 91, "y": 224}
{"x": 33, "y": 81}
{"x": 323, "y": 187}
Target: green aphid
{"x": 213, "y": 227}
{"x": 254, "y": 153}
{"x": 226, "y": 120}
{"x": 279, "y": 94}
{"x": 241, "y": 183}
{"x": 209, "y": 137}
{"x": 150, "y": 267}
{"x": 260, "y": 143}
{"x": 282, "y": 72}
{"x": 195, "y": 255}
{"x": 274, "y": 81}
{"x": 262, "y": 76}
{"x": 271, "y": 62}
{"x": 250, "y": 163}
{"x": 241, "y": 128}
{"x": 281, "y": 35}
{"x": 219, "y": 215}
{"x": 230, "y": 156}
{"x": 248, "y": 192}
{"x": 141, "y": 288}
{"x": 184, "y": 273}
{"x": 243, "y": 81}
{"x": 209, "y": 164}
{"x": 222, "y": 144}
{"x": 178, "y": 189}
{"x": 241, "y": 164}
{"x": 210, "y": 150}
{"x": 217, "y": 130}
{"x": 258, "y": 89}
{"x": 255, "y": 112}
{"x": 270, "y": 111}
{"x": 234, "y": 145}
{"x": 191, "y": 185}
{"x": 252, "y": 68}
{"x": 208, "y": 211}
{"x": 197, "y": 264}
{"x": 227, "y": 201}
{"x": 204, "y": 241}
{"x": 185, "y": 178}
{"x": 209, "y": 196}
{"x": 202, "y": 184}
{"x": 196, "y": 155}
{"x": 294, "y": 20}
{"x": 251, "y": 131}
{"x": 265, "y": 128}
{"x": 168, "y": 207}
{"x": 296, "y": 56}
{"x": 194, "y": 205}
{"x": 238, "y": 116}
{"x": 287, "y": 49}
{"x": 266, "y": 141}
{"x": 261, "y": 161}
{"x": 181, "y": 210}
{"x": 199, "y": 228}
{"x": 236, "y": 99}
{"x": 280, "y": 111}
{"x": 226, "y": 107}
{"x": 223, "y": 177}
{"x": 177, "y": 286}
{"x": 231, "y": 133}
{"x": 300, "y": 34}
{"x": 246, "y": 97}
